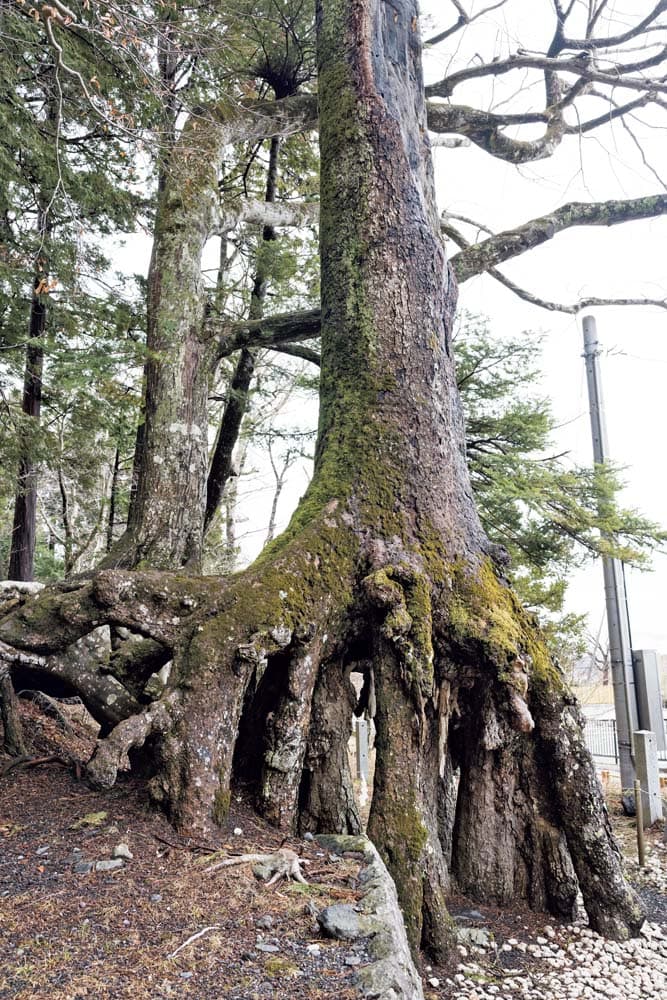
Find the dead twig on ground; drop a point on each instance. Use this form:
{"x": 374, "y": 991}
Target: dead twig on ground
{"x": 25, "y": 760}
{"x": 193, "y": 937}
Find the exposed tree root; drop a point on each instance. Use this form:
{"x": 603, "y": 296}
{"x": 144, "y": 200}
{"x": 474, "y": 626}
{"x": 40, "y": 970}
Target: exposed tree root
{"x": 260, "y": 682}
{"x": 26, "y": 760}
{"x": 282, "y": 863}
{"x": 111, "y": 753}
{"x": 81, "y": 670}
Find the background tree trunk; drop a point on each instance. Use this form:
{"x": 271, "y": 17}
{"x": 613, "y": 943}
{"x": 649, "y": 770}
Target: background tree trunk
{"x": 24, "y": 526}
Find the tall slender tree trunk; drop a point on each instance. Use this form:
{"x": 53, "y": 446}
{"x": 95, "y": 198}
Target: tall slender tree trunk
{"x": 24, "y": 525}
{"x": 165, "y": 527}
{"x": 113, "y": 499}
{"x": 238, "y": 398}
{"x": 166, "y": 509}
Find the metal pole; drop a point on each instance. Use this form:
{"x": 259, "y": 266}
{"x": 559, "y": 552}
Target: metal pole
{"x": 620, "y": 651}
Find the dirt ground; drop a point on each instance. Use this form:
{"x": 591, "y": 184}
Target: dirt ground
{"x": 69, "y": 932}
{"x": 160, "y": 925}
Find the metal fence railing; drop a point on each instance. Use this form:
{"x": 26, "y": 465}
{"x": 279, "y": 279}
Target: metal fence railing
{"x": 602, "y": 740}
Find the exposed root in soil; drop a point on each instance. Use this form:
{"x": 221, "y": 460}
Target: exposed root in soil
{"x": 283, "y": 863}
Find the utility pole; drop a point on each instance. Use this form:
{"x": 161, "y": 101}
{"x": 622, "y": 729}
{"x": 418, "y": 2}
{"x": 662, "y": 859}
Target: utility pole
{"x": 625, "y": 696}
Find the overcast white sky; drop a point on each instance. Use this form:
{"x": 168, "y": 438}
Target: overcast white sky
{"x": 630, "y": 260}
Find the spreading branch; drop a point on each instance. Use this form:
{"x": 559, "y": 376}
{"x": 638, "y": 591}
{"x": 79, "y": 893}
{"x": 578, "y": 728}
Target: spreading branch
{"x": 484, "y": 128}
{"x": 627, "y": 76}
{"x": 265, "y": 213}
{"x": 271, "y": 331}
{"x": 571, "y": 308}
{"x": 504, "y": 246}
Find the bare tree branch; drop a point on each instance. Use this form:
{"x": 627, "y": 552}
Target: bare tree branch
{"x": 536, "y": 300}
{"x": 449, "y": 141}
{"x": 582, "y": 66}
{"x": 484, "y": 129}
{"x": 265, "y": 213}
{"x": 503, "y": 246}
{"x": 463, "y": 20}
{"x": 642, "y": 27}
{"x": 270, "y": 331}
{"x": 571, "y": 308}
{"x": 298, "y": 351}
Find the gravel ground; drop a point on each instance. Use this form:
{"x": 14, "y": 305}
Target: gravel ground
{"x": 563, "y": 962}
{"x": 535, "y": 959}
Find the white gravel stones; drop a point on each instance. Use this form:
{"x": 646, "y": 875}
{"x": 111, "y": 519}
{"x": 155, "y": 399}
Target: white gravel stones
{"x": 571, "y": 963}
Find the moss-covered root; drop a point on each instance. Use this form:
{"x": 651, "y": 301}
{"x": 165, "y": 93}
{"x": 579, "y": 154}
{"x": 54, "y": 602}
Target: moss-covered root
{"x": 194, "y": 775}
{"x": 403, "y": 819}
{"x": 527, "y": 778}
{"x": 612, "y": 906}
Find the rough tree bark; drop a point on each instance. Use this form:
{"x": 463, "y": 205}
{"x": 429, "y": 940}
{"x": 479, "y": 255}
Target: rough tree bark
{"x": 383, "y": 568}
{"x": 166, "y": 521}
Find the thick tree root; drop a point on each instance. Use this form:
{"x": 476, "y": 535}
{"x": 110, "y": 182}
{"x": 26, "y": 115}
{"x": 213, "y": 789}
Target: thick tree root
{"x": 111, "y": 753}
{"x": 612, "y": 906}
{"x": 507, "y": 839}
{"x": 455, "y": 692}
{"x": 286, "y": 735}
{"x": 81, "y": 670}
{"x": 327, "y": 802}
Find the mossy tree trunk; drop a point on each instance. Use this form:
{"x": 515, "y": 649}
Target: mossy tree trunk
{"x": 482, "y": 776}
{"x": 165, "y": 530}
{"x": 168, "y": 510}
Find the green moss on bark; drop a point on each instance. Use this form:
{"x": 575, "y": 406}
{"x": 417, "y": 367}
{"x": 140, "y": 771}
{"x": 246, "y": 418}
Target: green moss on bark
{"x": 483, "y": 610}
{"x": 403, "y": 851}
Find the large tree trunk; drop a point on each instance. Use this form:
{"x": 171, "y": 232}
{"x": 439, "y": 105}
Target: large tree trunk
{"x": 384, "y": 564}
